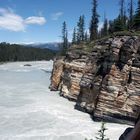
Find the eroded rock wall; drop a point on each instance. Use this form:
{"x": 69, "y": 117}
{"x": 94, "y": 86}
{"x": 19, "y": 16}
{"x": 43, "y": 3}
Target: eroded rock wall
{"x": 104, "y": 82}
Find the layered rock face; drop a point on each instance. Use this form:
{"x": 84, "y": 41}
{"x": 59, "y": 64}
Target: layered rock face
{"x": 104, "y": 82}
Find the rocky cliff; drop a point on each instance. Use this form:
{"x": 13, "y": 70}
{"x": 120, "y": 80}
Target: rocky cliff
{"x": 104, "y": 81}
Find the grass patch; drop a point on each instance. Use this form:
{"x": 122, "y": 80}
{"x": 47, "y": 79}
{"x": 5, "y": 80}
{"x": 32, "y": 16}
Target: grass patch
{"x": 88, "y": 46}
{"x": 127, "y": 33}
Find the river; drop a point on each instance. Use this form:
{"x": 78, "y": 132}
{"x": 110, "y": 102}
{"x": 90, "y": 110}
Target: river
{"x": 29, "y": 111}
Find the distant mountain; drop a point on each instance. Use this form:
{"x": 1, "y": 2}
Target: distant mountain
{"x": 52, "y": 46}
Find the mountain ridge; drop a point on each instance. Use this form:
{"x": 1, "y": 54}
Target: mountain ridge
{"x": 51, "y": 45}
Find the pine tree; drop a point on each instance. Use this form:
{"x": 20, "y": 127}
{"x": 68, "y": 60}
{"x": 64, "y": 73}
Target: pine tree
{"x": 80, "y": 29}
{"x": 94, "y": 22}
{"x": 131, "y": 16}
{"x": 125, "y": 21}
{"x": 122, "y": 12}
{"x": 122, "y": 9}
{"x": 137, "y": 17}
{"x": 101, "y": 133}
{"x": 64, "y": 38}
{"x": 111, "y": 27}
{"x": 105, "y": 28}
{"x": 83, "y": 28}
{"x": 118, "y": 24}
{"x": 86, "y": 37}
{"x": 74, "y": 39}
{"x": 120, "y": 21}
{"x": 100, "y": 33}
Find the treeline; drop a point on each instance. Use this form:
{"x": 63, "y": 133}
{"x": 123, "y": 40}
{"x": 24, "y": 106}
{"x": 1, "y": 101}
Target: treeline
{"x": 127, "y": 20}
{"x": 14, "y": 52}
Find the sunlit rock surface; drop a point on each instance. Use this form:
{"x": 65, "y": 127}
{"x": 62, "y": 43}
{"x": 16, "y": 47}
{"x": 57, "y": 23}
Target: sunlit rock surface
{"x": 105, "y": 81}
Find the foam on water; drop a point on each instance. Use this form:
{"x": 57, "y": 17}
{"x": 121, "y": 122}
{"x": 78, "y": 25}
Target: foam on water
{"x": 29, "y": 111}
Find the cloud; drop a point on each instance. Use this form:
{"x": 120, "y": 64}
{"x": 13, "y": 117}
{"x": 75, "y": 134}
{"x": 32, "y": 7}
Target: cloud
{"x": 9, "y": 20}
{"x": 35, "y": 20}
{"x": 57, "y": 15}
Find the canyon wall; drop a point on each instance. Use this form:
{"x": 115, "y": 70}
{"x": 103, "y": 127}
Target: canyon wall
{"x": 103, "y": 78}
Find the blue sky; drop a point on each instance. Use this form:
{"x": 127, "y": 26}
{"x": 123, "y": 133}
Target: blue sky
{"x": 26, "y": 21}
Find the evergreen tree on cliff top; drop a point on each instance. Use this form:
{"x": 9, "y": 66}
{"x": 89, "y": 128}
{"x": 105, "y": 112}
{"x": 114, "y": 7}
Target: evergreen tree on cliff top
{"x": 131, "y": 16}
{"x": 105, "y": 27}
{"x": 94, "y": 22}
{"x": 64, "y": 39}
{"x": 137, "y": 17}
{"x": 120, "y": 22}
{"x": 104, "y": 30}
{"x": 81, "y": 29}
{"x": 86, "y": 37}
{"x": 74, "y": 39}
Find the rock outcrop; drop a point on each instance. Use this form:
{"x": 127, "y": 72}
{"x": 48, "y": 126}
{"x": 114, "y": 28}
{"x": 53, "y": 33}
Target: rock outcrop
{"x": 105, "y": 81}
